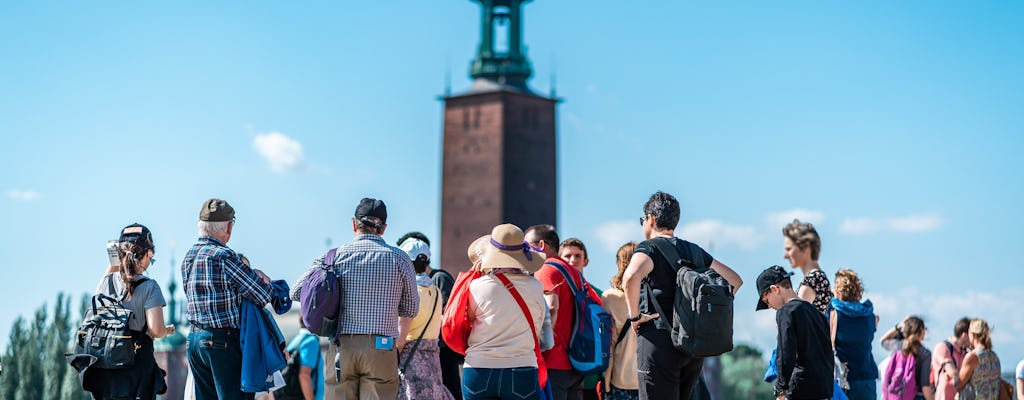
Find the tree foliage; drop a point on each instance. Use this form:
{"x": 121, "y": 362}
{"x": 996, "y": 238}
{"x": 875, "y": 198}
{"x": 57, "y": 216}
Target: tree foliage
{"x": 34, "y": 363}
{"x": 743, "y": 375}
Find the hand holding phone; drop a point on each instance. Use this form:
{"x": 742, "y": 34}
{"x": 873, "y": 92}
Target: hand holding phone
{"x": 115, "y": 259}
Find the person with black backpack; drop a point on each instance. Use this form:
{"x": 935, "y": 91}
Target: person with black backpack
{"x": 304, "y": 375}
{"x": 124, "y": 292}
{"x": 667, "y": 362}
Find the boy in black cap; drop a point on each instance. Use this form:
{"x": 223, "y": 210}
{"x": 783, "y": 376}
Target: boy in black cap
{"x": 805, "y": 357}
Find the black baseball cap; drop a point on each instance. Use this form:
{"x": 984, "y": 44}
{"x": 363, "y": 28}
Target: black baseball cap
{"x": 216, "y": 210}
{"x": 372, "y": 208}
{"x": 770, "y": 276}
{"x": 138, "y": 234}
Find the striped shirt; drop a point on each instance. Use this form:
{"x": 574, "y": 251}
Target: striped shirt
{"x": 215, "y": 281}
{"x": 378, "y": 285}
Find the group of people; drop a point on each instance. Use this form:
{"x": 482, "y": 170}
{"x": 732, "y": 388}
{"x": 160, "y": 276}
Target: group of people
{"x": 826, "y": 336}
{"x": 521, "y": 311}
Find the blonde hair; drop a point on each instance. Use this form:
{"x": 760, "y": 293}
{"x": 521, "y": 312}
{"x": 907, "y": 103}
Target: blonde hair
{"x": 848, "y": 285}
{"x": 803, "y": 234}
{"x": 622, "y": 260}
{"x": 979, "y": 328}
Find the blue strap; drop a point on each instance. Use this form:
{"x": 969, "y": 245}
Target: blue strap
{"x": 568, "y": 277}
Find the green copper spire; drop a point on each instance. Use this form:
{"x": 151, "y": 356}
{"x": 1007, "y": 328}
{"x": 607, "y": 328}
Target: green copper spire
{"x": 505, "y": 64}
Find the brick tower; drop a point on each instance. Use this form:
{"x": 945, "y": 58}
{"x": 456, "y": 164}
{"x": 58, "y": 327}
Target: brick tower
{"x": 499, "y": 142}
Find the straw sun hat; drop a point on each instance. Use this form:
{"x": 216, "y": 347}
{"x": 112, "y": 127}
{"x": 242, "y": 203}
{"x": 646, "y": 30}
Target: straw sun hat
{"x": 505, "y": 247}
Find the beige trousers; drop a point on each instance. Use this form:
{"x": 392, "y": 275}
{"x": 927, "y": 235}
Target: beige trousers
{"x": 363, "y": 372}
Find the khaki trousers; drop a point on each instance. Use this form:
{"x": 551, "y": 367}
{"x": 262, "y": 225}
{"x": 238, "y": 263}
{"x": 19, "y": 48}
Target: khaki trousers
{"x": 362, "y": 371}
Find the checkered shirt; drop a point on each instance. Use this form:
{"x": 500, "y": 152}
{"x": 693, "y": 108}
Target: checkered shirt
{"x": 215, "y": 281}
{"x": 378, "y": 285}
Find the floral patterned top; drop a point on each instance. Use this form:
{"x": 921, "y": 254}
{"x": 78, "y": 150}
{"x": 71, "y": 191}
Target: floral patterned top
{"x": 818, "y": 281}
{"x": 986, "y": 376}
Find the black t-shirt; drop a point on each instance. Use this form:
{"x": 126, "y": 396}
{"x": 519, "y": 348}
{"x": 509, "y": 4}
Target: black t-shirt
{"x": 662, "y": 279}
{"x": 805, "y": 358}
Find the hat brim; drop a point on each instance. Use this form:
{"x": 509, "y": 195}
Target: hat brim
{"x": 494, "y": 257}
{"x": 476, "y": 249}
{"x": 761, "y": 305}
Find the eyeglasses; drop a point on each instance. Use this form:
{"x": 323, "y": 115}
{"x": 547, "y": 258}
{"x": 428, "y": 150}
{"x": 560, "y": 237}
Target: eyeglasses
{"x": 642, "y": 219}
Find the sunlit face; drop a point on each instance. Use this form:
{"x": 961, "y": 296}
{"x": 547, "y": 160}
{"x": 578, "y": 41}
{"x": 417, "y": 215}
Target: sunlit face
{"x": 797, "y": 257}
{"x": 575, "y": 256}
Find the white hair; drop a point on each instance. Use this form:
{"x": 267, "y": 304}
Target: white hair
{"x": 213, "y": 228}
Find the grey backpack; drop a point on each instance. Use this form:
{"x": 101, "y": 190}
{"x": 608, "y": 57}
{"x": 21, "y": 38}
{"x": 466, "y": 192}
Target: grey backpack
{"x": 702, "y": 309}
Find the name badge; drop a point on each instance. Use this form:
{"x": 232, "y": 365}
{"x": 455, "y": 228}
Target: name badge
{"x": 384, "y": 343}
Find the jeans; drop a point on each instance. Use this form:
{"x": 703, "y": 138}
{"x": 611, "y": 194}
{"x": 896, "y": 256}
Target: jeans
{"x": 215, "y": 358}
{"x": 504, "y": 383}
{"x": 862, "y": 390}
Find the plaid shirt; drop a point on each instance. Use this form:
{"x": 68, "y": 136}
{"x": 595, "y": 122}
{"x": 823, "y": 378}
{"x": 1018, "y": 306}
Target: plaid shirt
{"x": 378, "y": 285}
{"x": 215, "y": 281}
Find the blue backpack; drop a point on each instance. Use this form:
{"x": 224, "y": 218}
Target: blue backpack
{"x": 590, "y": 343}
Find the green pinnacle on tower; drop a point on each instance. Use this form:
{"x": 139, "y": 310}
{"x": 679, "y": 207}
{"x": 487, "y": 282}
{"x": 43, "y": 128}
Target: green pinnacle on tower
{"x": 506, "y": 65}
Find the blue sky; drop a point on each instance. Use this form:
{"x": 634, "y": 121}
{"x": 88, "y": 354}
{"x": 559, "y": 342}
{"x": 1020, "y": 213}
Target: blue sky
{"x": 895, "y": 127}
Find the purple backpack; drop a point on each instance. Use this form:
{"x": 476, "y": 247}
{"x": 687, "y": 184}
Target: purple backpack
{"x": 900, "y": 382}
{"x": 320, "y": 297}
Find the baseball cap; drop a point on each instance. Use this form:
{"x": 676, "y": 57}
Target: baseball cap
{"x": 770, "y": 276}
{"x": 416, "y": 248}
{"x": 216, "y": 210}
{"x": 138, "y": 234}
{"x": 372, "y": 208}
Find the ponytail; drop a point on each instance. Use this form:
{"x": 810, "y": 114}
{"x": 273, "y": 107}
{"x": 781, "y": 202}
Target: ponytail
{"x": 913, "y": 332}
{"x": 131, "y": 264}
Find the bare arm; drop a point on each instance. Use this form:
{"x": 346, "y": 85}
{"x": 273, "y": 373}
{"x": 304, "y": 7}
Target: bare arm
{"x": 1020, "y": 388}
{"x": 306, "y": 382}
{"x": 805, "y": 292}
{"x": 403, "y": 331}
{"x": 639, "y": 266}
{"x": 727, "y": 273}
{"x": 155, "y": 321}
{"x": 833, "y": 322}
{"x": 928, "y": 392}
{"x": 967, "y": 370}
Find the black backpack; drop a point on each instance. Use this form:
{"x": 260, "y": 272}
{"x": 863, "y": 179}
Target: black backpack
{"x": 104, "y": 332}
{"x": 292, "y": 390}
{"x": 702, "y": 309}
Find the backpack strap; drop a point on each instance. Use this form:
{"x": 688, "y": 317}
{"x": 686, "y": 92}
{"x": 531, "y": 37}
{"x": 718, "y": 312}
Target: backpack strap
{"x": 329, "y": 257}
{"x": 951, "y": 357}
{"x": 623, "y": 331}
{"x": 669, "y": 252}
{"x": 568, "y": 277}
{"x": 412, "y": 352}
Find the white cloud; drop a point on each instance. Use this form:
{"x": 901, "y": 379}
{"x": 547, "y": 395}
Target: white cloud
{"x": 23, "y": 195}
{"x": 859, "y": 226}
{"x": 914, "y": 223}
{"x": 614, "y": 234}
{"x": 711, "y": 232}
{"x": 780, "y": 219}
{"x": 282, "y": 153}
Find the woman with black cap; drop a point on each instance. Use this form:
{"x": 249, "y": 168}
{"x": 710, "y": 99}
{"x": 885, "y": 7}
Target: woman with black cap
{"x": 145, "y": 299}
